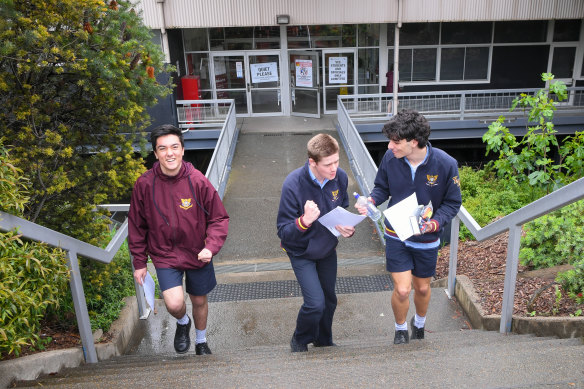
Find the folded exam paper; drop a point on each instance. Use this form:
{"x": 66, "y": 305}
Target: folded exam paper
{"x": 340, "y": 216}
{"x": 149, "y": 290}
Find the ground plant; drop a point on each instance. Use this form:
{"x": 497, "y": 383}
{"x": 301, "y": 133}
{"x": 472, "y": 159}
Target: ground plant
{"x": 33, "y": 276}
{"x": 538, "y": 160}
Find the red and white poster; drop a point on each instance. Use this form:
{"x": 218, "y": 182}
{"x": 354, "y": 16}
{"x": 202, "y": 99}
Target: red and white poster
{"x": 304, "y": 73}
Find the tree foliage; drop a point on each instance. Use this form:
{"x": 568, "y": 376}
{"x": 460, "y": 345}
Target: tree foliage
{"x": 75, "y": 79}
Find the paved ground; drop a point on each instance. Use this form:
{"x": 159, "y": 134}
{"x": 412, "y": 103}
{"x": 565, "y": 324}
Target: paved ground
{"x": 257, "y": 299}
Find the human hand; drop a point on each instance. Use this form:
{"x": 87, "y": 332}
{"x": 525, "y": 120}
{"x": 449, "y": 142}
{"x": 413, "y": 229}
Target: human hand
{"x": 361, "y": 209}
{"x": 205, "y": 255}
{"x": 140, "y": 275}
{"x": 430, "y": 226}
{"x": 346, "y": 231}
{"x": 311, "y": 212}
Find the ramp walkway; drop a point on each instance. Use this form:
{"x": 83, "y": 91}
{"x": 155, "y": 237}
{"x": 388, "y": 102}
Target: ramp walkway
{"x": 253, "y": 310}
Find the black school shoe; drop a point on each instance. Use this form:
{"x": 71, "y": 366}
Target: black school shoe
{"x": 297, "y": 347}
{"x": 202, "y": 349}
{"x": 401, "y": 336}
{"x": 417, "y": 333}
{"x": 182, "y": 341}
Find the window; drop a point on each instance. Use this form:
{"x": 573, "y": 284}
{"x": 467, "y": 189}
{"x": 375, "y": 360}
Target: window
{"x": 563, "y": 62}
{"x": 466, "y": 33}
{"x": 306, "y": 37}
{"x": 244, "y": 38}
{"x": 195, "y": 39}
{"x": 417, "y": 64}
{"x": 521, "y": 32}
{"x": 368, "y": 35}
{"x": 464, "y": 63}
{"x": 567, "y": 30}
{"x": 419, "y": 34}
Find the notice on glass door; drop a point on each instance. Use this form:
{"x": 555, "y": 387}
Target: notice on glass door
{"x": 337, "y": 70}
{"x": 304, "y": 73}
{"x": 264, "y": 72}
{"x": 239, "y": 69}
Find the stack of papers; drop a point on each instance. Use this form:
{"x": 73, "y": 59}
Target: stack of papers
{"x": 403, "y": 217}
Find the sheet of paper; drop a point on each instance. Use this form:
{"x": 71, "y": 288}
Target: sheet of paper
{"x": 340, "y": 216}
{"x": 399, "y": 214}
{"x": 149, "y": 290}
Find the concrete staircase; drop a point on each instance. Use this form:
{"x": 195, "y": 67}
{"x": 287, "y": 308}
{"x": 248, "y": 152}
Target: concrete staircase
{"x": 450, "y": 356}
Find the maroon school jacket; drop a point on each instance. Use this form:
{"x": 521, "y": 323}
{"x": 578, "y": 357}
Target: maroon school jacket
{"x": 172, "y": 219}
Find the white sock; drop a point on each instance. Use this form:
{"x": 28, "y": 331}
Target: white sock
{"x": 201, "y": 336}
{"x": 401, "y": 327}
{"x": 419, "y": 321}
{"x": 184, "y": 320}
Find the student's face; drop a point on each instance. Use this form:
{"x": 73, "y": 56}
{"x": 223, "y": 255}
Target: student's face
{"x": 169, "y": 153}
{"x": 402, "y": 148}
{"x": 325, "y": 168}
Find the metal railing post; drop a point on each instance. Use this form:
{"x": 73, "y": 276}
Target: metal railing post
{"x": 81, "y": 309}
{"x": 454, "y": 232}
{"x": 510, "y": 279}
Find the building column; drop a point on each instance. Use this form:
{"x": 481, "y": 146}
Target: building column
{"x": 284, "y": 72}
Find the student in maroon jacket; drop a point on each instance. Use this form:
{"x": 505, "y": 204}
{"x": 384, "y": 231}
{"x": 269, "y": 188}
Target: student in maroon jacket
{"x": 178, "y": 220}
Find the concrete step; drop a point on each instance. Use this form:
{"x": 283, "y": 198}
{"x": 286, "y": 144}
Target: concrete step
{"x": 462, "y": 359}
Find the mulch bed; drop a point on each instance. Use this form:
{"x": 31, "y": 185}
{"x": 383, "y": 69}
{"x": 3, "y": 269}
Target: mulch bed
{"x": 484, "y": 263}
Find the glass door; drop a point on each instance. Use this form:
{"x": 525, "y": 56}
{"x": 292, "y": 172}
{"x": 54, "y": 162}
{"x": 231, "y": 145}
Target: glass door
{"x": 304, "y": 83}
{"x": 251, "y": 78}
{"x": 339, "y": 75}
{"x": 264, "y": 92}
{"x": 229, "y": 79}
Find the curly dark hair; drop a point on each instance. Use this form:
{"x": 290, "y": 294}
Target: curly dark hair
{"x": 408, "y": 124}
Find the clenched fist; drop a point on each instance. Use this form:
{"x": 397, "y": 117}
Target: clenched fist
{"x": 311, "y": 212}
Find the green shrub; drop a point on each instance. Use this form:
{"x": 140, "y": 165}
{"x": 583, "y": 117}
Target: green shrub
{"x": 32, "y": 276}
{"x": 554, "y": 239}
{"x": 487, "y": 197}
{"x": 573, "y": 281}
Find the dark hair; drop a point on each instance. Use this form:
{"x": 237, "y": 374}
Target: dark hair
{"x": 165, "y": 129}
{"x": 408, "y": 124}
{"x": 322, "y": 146}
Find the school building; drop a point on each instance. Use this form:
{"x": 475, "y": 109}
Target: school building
{"x": 293, "y": 57}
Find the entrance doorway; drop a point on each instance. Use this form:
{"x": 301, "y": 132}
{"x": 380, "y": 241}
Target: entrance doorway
{"x": 304, "y": 83}
{"x": 251, "y": 78}
{"x": 339, "y": 75}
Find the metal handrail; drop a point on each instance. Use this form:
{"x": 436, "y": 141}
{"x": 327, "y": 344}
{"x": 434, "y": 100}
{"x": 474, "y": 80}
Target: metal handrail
{"x": 218, "y": 170}
{"x": 73, "y": 247}
{"x": 360, "y": 160}
{"x": 512, "y": 223}
{"x": 463, "y": 104}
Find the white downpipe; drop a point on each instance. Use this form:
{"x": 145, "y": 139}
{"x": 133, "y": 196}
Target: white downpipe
{"x": 163, "y": 33}
{"x": 396, "y": 56}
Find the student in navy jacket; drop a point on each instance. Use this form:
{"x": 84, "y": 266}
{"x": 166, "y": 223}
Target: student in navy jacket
{"x": 412, "y": 165}
{"x": 308, "y": 192}
{"x": 178, "y": 220}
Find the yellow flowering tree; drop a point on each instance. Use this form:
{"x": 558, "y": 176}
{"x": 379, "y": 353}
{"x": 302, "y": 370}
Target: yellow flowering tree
{"x": 75, "y": 79}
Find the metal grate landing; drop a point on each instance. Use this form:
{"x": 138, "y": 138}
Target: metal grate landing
{"x": 290, "y": 288}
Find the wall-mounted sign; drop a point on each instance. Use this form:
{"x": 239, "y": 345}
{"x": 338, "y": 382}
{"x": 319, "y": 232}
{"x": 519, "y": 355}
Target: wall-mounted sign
{"x": 264, "y": 72}
{"x": 337, "y": 70}
{"x": 304, "y": 72}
